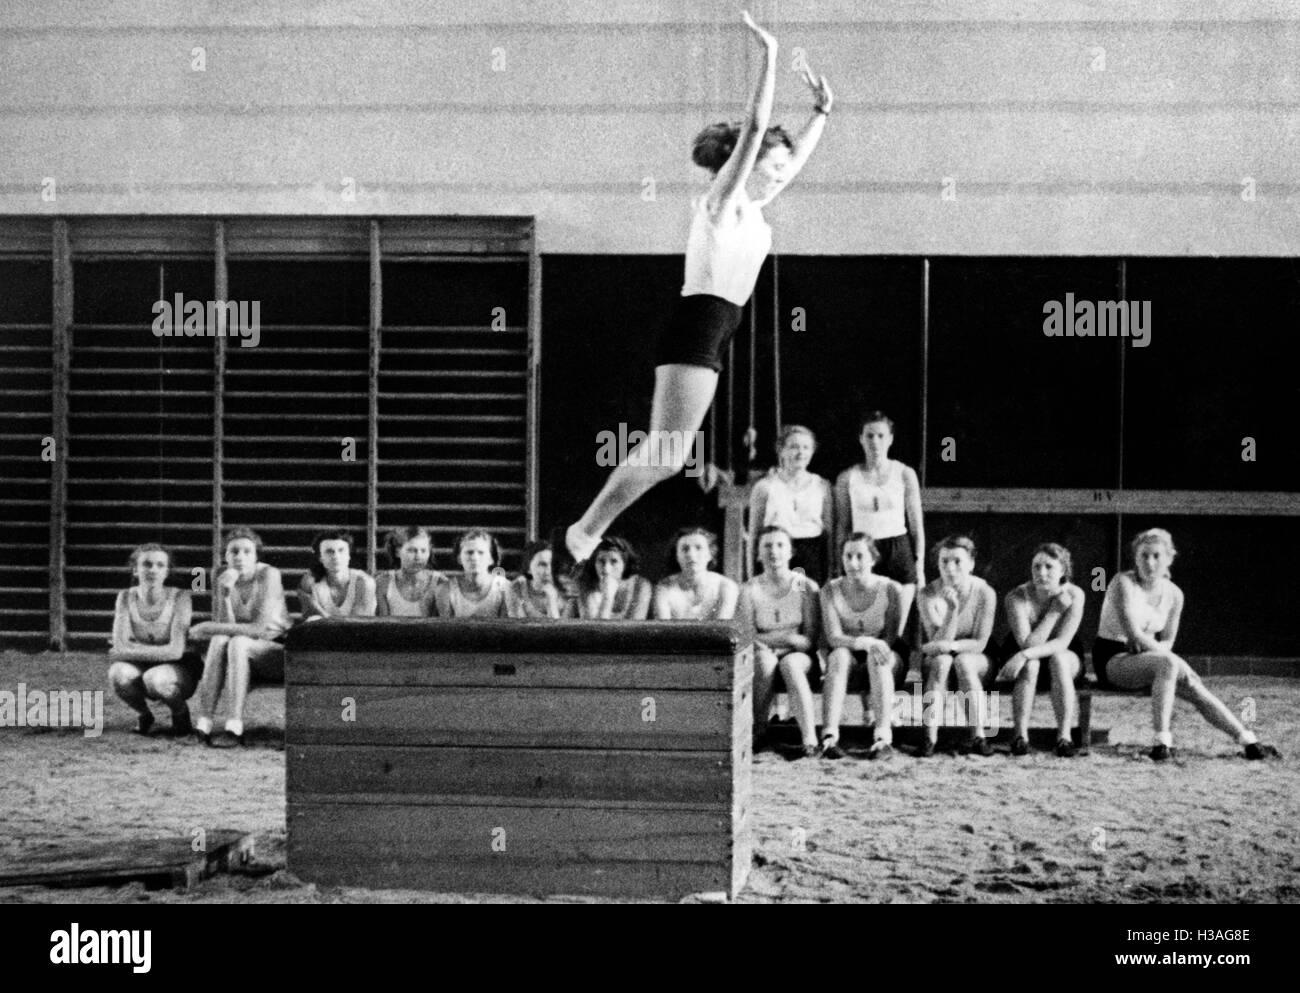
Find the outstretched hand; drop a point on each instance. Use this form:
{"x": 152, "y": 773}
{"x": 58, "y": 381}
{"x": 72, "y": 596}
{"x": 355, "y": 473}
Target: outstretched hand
{"x": 823, "y": 98}
{"x": 765, "y": 38}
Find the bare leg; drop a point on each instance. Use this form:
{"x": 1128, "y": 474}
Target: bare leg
{"x": 214, "y": 676}
{"x": 1022, "y": 697}
{"x": 881, "y": 668}
{"x": 936, "y": 686}
{"x": 834, "y": 689}
{"x": 764, "y": 670}
{"x": 682, "y": 397}
{"x": 794, "y": 670}
{"x": 971, "y": 667}
{"x": 1214, "y": 710}
{"x": 1065, "y": 666}
{"x": 127, "y": 683}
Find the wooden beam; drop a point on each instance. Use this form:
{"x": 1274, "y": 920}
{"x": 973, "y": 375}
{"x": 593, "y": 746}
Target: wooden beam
{"x": 925, "y": 368}
{"x": 372, "y": 403}
{"x": 1207, "y": 503}
{"x": 221, "y": 284}
{"x": 61, "y": 358}
{"x": 533, "y": 415}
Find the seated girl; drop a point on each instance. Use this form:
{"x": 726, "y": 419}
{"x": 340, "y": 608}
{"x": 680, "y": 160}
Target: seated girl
{"x": 481, "y": 590}
{"x": 780, "y": 606}
{"x": 956, "y": 612}
{"x": 332, "y": 588}
{"x": 797, "y": 500}
{"x": 149, "y": 662}
{"x": 1135, "y": 647}
{"x": 535, "y": 594}
{"x": 610, "y": 587}
{"x": 407, "y": 589}
{"x": 249, "y": 619}
{"x": 694, "y": 593}
{"x": 862, "y": 615}
{"x": 1044, "y": 616}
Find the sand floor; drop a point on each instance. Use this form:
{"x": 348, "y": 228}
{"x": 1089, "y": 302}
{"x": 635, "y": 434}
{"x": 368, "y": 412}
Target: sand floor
{"x": 1112, "y": 827}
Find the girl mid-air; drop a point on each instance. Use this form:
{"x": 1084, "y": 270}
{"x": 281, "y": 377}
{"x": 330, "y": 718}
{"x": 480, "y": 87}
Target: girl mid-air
{"x": 728, "y": 242}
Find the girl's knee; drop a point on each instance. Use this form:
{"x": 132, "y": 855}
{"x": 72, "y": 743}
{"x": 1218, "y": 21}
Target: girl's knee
{"x": 1029, "y": 672}
{"x": 122, "y": 675}
{"x": 166, "y": 686}
{"x": 839, "y": 658}
{"x": 765, "y": 661}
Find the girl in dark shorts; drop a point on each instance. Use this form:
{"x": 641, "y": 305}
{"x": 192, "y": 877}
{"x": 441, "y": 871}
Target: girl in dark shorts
{"x": 799, "y": 501}
{"x": 881, "y": 498}
{"x": 1135, "y": 647}
{"x": 149, "y": 662}
{"x": 862, "y": 617}
{"x": 1044, "y": 616}
{"x": 728, "y": 242}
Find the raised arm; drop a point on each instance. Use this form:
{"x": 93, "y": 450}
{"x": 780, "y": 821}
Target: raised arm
{"x": 306, "y": 601}
{"x": 811, "y": 133}
{"x": 979, "y": 638}
{"x": 731, "y": 178}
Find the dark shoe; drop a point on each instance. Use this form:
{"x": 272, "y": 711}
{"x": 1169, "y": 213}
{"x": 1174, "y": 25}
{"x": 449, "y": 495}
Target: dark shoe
{"x": 832, "y": 751}
{"x": 880, "y": 751}
{"x": 225, "y": 739}
{"x": 926, "y": 750}
{"x": 1256, "y": 751}
{"x": 1019, "y": 746}
{"x": 204, "y": 738}
{"x": 181, "y": 725}
{"x": 978, "y": 746}
{"x": 1161, "y": 753}
{"x": 144, "y": 723}
{"x": 1065, "y": 749}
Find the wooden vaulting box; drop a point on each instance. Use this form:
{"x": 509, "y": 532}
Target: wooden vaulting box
{"x": 529, "y": 757}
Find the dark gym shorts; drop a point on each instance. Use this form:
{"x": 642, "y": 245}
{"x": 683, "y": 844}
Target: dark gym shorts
{"x": 700, "y": 328}
{"x": 897, "y": 559}
{"x": 1001, "y": 653}
{"x": 1103, "y": 650}
{"x": 190, "y": 664}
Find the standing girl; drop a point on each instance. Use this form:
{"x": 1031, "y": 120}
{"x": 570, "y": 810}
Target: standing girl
{"x": 797, "y": 501}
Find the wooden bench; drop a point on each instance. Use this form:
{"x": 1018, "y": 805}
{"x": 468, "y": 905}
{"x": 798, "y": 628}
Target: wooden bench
{"x": 542, "y": 757}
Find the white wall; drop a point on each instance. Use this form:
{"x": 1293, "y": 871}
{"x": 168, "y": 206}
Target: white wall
{"x": 1049, "y": 155}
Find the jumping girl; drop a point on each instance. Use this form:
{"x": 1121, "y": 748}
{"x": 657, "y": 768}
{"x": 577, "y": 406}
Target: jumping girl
{"x": 480, "y": 590}
{"x": 1044, "y": 616}
{"x": 728, "y": 242}
{"x": 780, "y": 606}
{"x": 147, "y": 648}
{"x": 695, "y": 593}
{"x": 863, "y": 620}
{"x": 535, "y": 594}
{"x": 408, "y": 589}
{"x": 1135, "y": 647}
{"x": 610, "y": 588}
{"x": 249, "y": 616}
{"x": 331, "y": 588}
{"x": 881, "y": 498}
{"x": 957, "y": 612}
{"x": 796, "y": 500}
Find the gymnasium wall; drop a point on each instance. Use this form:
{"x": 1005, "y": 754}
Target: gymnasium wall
{"x": 1066, "y": 128}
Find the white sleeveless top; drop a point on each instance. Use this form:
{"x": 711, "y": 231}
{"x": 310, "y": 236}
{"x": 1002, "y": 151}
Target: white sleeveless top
{"x": 781, "y": 613}
{"x": 493, "y": 603}
{"x": 868, "y": 623}
{"x": 1150, "y": 618}
{"x": 157, "y": 631}
{"x": 276, "y": 617}
{"x": 878, "y": 511}
{"x": 724, "y": 259}
{"x": 969, "y": 607}
{"x": 322, "y": 597}
{"x": 797, "y": 509}
{"x": 399, "y": 606}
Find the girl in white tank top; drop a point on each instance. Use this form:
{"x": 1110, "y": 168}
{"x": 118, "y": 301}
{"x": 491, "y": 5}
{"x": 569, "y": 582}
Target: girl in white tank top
{"x": 1135, "y": 641}
{"x": 479, "y": 591}
{"x": 410, "y": 590}
{"x": 780, "y": 606}
{"x": 331, "y": 588}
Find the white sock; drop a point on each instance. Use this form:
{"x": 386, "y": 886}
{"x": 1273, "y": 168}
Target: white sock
{"x": 1247, "y": 738}
{"x": 579, "y": 543}
{"x": 1165, "y": 738}
{"x": 203, "y": 725}
{"x": 235, "y": 726}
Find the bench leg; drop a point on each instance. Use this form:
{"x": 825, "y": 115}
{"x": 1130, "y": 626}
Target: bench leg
{"x": 1085, "y": 723}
